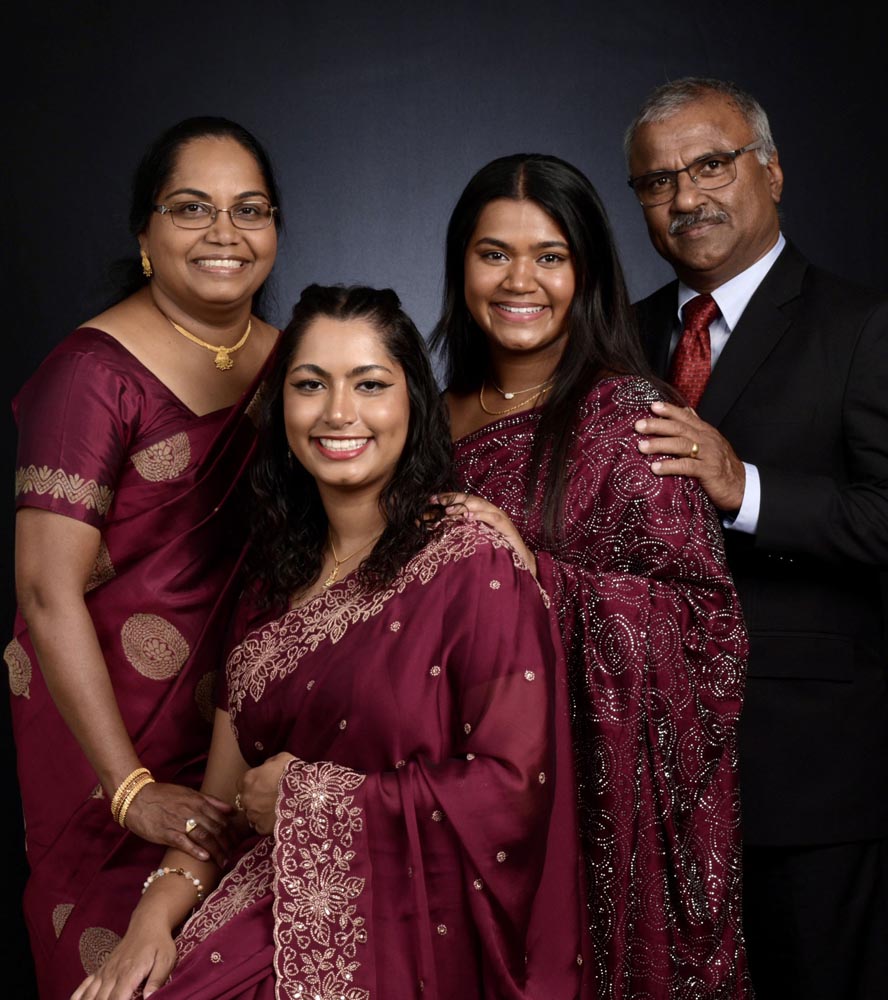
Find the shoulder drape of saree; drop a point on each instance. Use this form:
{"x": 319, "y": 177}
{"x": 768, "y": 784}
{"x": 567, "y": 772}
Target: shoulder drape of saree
{"x": 656, "y": 648}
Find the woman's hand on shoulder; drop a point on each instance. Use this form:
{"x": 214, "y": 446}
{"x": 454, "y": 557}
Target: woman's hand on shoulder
{"x": 146, "y": 954}
{"x": 163, "y": 814}
{"x": 473, "y": 508}
{"x": 257, "y": 792}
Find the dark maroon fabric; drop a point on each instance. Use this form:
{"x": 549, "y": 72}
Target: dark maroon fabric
{"x": 656, "y": 651}
{"x": 426, "y": 840}
{"x": 103, "y": 441}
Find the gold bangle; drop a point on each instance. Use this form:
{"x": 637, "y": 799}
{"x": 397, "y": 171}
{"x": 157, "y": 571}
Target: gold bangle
{"x": 160, "y": 872}
{"x": 143, "y": 780}
{"x": 124, "y": 787}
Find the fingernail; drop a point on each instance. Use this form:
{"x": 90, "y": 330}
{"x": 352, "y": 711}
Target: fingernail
{"x": 655, "y": 466}
{"x": 641, "y": 426}
{"x": 657, "y": 406}
{"x": 203, "y": 856}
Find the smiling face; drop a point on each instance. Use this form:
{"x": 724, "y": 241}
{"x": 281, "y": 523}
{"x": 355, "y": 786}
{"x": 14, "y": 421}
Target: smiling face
{"x": 519, "y": 280}
{"x": 709, "y": 237}
{"x": 221, "y": 266}
{"x": 346, "y": 408}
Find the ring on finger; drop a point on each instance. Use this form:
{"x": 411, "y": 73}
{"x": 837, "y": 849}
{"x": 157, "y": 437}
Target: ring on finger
{"x": 190, "y": 824}
{"x": 695, "y": 449}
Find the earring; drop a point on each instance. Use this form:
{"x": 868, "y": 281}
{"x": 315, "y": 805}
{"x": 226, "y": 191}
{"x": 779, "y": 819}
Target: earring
{"x": 147, "y": 269}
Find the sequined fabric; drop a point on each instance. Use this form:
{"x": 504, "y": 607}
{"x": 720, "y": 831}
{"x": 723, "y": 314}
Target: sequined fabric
{"x": 656, "y": 649}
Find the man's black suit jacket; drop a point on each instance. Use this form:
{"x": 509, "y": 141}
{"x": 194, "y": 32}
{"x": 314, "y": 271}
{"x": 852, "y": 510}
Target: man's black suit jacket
{"x": 801, "y": 391}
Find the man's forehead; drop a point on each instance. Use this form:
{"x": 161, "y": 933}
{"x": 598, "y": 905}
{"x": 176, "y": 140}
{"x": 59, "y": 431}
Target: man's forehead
{"x": 705, "y": 126}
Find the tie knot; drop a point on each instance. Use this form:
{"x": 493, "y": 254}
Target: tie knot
{"x": 699, "y": 312}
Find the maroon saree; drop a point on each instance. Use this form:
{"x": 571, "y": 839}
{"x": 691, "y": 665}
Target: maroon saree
{"x": 102, "y": 440}
{"x": 425, "y": 843}
{"x": 656, "y": 650}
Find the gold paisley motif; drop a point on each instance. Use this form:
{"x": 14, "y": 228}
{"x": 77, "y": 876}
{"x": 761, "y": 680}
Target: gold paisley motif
{"x": 205, "y": 696}
{"x": 60, "y": 916}
{"x": 96, "y": 944}
{"x": 61, "y": 485}
{"x": 102, "y": 571}
{"x": 19, "y": 664}
{"x": 163, "y": 460}
{"x": 154, "y": 646}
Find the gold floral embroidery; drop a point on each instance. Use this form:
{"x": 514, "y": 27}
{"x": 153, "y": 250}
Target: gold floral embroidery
{"x": 19, "y": 664}
{"x": 273, "y": 652}
{"x": 247, "y": 882}
{"x": 96, "y": 944}
{"x": 103, "y": 571}
{"x": 61, "y": 485}
{"x": 60, "y": 916}
{"x": 205, "y": 696}
{"x": 154, "y": 646}
{"x": 97, "y": 793}
{"x": 254, "y": 408}
{"x": 163, "y": 460}
{"x": 317, "y": 927}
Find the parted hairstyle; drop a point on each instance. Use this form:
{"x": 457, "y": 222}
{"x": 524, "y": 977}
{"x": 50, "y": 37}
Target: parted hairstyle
{"x": 159, "y": 162}
{"x": 290, "y": 525}
{"x": 601, "y": 339}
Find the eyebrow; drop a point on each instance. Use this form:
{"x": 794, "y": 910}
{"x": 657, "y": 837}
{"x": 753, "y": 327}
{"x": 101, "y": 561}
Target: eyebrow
{"x": 544, "y": 245}
{"x": 206, "y": 197}
{"x": 359, "y": 370}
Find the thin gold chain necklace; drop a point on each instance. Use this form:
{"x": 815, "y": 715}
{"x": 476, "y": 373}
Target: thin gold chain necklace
{"x": 337, "y": 562}
{"x": 223, "y": 359}
{"x": 510, "y": 409}
{"x": 522, "y": 392}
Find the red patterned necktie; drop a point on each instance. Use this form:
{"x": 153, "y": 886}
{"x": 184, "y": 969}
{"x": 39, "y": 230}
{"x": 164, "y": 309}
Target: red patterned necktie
{"x": 692, "y": 360}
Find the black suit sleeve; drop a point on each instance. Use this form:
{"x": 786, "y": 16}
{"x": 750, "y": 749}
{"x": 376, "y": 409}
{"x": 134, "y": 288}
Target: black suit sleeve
{"x": 840, "y": 518}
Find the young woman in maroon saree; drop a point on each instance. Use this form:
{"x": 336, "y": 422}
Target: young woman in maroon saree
{"x": 128, "y": 533}
{"x": 422, "y": 807}
{"x": 544, "y": 391}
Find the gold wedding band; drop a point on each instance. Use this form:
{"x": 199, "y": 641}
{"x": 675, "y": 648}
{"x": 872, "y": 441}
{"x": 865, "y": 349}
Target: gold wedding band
{"x": 190, "y": 824}
{"x": 695, "y": 449}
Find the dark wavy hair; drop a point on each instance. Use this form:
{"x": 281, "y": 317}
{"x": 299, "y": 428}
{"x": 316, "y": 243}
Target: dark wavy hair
{"x": 289, "y": 522}
{"x": 602, "y": 339}
{"x": 154, "y": 170}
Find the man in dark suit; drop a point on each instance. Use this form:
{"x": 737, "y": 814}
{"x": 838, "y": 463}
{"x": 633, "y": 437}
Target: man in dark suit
{"x": 789, "y": 437}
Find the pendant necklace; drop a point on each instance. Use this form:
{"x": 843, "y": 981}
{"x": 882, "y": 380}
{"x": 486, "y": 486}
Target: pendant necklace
{"x": 532, "y": 401}
{"x": 337, "y": 562}
{"x": 522, "y": 392}
{"x": 223, "y": 359}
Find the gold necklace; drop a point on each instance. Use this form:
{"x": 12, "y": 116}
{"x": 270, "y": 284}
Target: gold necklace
{"x": 522, "y": 392}
{"x": 223, "y": 354}
{"x": 337, "y": 562}
{"x": 511, "y": 409}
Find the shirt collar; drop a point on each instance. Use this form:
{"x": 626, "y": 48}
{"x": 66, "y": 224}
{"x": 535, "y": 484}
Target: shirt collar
{"x": 733, "y": 296}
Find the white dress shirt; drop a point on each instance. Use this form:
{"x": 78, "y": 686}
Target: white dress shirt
{"x": 732, "y": 298}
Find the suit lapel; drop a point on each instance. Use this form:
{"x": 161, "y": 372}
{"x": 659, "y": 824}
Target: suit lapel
{"x": 763, "y": 323}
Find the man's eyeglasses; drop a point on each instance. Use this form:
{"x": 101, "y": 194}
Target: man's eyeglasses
{"x": 710, "y": 172}
{"x": 201, "y": 215}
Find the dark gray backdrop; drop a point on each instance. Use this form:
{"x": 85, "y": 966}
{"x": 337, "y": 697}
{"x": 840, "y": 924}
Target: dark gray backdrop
{"x": 376, "y": 115}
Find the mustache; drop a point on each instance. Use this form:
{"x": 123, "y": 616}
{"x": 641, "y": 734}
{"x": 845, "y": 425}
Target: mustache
{"x": 681, "y": 223}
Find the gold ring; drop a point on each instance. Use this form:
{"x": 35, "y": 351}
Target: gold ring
{"x": 190, "y": 824}
{"x": 237, "y": 803}
{"x": 695, "y": 449}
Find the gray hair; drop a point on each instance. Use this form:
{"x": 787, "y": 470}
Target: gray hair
{"x": 670, "y": 98}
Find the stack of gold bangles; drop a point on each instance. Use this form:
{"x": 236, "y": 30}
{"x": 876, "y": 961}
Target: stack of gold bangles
{"x": 127, "y": 790}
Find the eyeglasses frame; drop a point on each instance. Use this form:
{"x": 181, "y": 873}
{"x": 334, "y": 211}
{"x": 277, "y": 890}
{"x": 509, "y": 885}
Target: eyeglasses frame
{"x": 168, "y": 210}
{"x": 732, "y": 153}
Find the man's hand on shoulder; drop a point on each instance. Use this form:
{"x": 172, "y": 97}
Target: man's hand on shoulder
{"x": 698, "y": 450}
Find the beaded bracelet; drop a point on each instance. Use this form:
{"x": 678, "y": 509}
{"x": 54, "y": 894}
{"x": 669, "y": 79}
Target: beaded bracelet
{"x": 124, "y": 787}
{"x": 160, "y": 872}
{"x": 141, "y": 782}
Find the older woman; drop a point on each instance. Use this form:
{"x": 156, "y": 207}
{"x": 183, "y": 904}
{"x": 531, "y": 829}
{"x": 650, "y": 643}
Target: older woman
{"x": 546, "y": 381}
{"x": 133, "y": 436}
{"x": 400, "y": 671}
